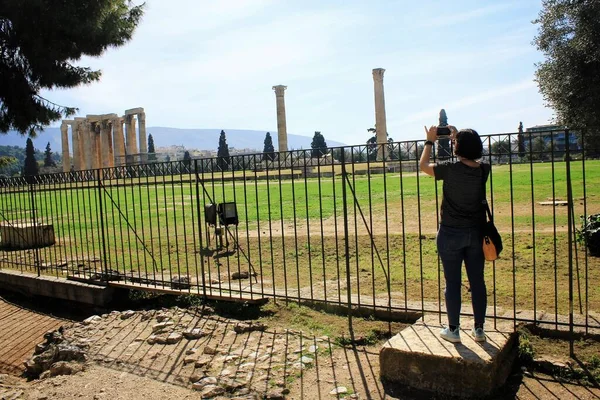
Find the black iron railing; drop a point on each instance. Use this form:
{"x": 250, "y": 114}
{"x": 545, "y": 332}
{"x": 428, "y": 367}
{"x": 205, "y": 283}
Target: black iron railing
{"x": 343, "y": 228}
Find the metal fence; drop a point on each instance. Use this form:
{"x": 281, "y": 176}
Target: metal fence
{"x": 332, "y": 226}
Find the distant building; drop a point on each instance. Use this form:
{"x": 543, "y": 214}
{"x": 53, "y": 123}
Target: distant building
{"x": 553, "y": 135}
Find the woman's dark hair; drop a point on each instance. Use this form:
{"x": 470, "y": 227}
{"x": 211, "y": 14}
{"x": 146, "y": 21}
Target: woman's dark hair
{"x": 468, "y": 144}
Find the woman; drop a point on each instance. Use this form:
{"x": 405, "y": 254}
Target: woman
{"x": 459, "y": 237}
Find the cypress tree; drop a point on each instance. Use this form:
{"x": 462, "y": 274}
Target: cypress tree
{"x": 48, "y": 161}
{"x": 268, "y": 149}
{"x": 31, "y": 166}
{"x": 318, "y": 145}
{"x": 151, "y": 151}
{"x": 223, "y": 153}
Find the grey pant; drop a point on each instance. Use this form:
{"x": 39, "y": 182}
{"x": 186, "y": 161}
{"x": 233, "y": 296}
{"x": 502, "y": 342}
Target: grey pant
{"x": 456, "y": 245}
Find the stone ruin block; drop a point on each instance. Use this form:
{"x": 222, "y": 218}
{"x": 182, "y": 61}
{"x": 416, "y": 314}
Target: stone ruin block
{"x": 26, "y": 235}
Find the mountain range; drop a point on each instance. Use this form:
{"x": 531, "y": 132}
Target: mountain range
{"x": 200, "y": 139}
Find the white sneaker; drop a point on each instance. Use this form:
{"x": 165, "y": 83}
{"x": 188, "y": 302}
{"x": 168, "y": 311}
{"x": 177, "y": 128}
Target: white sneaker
{"x": 449, "y": 335}
{"x": 478, "y": 335}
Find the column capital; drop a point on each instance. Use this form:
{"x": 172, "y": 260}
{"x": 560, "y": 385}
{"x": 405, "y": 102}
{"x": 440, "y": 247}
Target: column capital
{"x": 378, "y": 74}
{"x": 142, "y": 117}
{"x": 279, "y": 89}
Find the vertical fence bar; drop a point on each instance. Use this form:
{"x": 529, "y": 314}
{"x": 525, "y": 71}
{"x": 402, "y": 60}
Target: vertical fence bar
{"x": 386, "y": 149}
{"x": 405, "y": 283}
{"x": 101, "y": 208}
{"x": 321, "y": 226}
{"x": 346, "y": 244}
{"x": 417, "y": 156}
{"x": 534, "y": 250}
{"x": 199, "y": 222}
{"x": 306, "y": 206}
{"x": 489, "y": 142}
{"x": 587, "y": 276}
{"x": 370, "y": 199}
{"x": 570, "y": 238}
{"x": 554, "y": 232}
{"x": 335, "y": 226}
{"x": 33, "y": 206}
{"x": 282, "y": 225}
{"x": 437, "y": 225}
{"x": 512, "y": 225}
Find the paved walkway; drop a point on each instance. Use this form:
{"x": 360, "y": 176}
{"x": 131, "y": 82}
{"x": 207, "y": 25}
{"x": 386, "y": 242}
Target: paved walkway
{"x": 20, "y": 331}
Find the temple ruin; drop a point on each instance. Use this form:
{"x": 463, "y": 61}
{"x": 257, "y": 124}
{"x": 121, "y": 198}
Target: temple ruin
{"x": 98, "y": 141}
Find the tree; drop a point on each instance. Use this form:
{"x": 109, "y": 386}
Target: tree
{"x": 187, "y": 160}
{"x": 372, "y": 146}
{"x": 48, "y": 161}
{"x": 318, "y": 146}
{"x": 500, "y": 149}
{"x": 540, "y": 149}
{"x": 268, "y": 149}
{"x": 223, "y": 153}
{"x": 569, "y": 78}
{"x": 41, "y": 44}
{"x": 151, "y": 150}
{"x": 31, "y": 165}
{"x": 392, "y": 152}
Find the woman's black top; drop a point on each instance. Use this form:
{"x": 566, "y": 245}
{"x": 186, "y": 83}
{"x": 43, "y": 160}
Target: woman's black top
{"x": 462, "y": 194}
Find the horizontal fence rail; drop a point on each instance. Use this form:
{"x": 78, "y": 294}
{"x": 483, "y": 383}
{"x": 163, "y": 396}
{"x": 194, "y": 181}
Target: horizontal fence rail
{"x": 350, "y": 226}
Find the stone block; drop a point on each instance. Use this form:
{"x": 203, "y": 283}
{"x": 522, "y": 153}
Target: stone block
{"x": 26, "y": 235}
{"x": 419, "y": 358}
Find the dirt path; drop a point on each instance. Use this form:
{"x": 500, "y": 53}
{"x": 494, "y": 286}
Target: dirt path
{"x": 128, "y": 359}
{"x": 20, "y": 331}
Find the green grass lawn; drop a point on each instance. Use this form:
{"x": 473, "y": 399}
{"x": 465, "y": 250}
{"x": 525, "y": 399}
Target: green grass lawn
{"x": 151, "y": 226}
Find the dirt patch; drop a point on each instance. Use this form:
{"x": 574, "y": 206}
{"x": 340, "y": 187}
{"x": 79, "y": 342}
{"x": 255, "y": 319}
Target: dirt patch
{"x": 546, "y": 352}
{"x": 20, "y": 330}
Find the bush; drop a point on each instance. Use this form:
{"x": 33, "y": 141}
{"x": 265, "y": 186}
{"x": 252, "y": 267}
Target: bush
{"x": 589, "y": 234}
{"x": 525, "y": 351}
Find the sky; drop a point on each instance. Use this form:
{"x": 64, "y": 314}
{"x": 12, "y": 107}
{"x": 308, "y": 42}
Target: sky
{"x": 212, "y": 64}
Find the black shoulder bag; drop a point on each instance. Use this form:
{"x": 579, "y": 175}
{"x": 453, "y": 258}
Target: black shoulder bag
{"x": 492, "y": 242}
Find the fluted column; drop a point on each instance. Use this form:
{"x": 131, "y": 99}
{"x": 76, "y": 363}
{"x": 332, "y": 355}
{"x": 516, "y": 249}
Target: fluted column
{"x": 132, "y": 150}
{"x": 78, "y": 142}
{"x": 143, "y": 139}
{"x": 380, "y": 120}
{"x": 107, "y": 154}
{"x": 66, "y": 158}
{"x": 118, "y": 141}
{"x": 95, "y": 144}
{"x": 281, "y": 121}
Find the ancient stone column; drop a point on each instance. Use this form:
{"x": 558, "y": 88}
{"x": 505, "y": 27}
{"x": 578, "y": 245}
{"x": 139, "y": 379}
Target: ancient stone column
{"x": 281, "y": 123}
{"x": 78, "y": 144}
{"x": 143, "y": 139}
{"x": 66, "y": 159}
{"x": 380, "y": 121}
{"x": 106, "y": 144}
{"x": 97, "y": 138}
{"x": 132, "y": 150}
{"x": 118, "y": 141}
{"x": 94, "y": 144}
